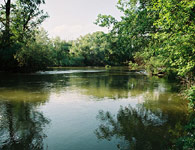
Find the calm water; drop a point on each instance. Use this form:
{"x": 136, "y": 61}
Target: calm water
{"x": 88, "y": 109}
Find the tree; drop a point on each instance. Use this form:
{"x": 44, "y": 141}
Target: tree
{"x": 35, "y": 54}
{"x": 175, "y": 37}
{"x": 18, "y": 20}
{"x": 132, "y": 33}
{"x": 5, "y": 21}
{"x": 60, "y": 52}
{"x": 92, "y": 48}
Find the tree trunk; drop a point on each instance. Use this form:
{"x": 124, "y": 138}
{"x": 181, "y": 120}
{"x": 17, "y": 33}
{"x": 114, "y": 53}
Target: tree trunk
{"x": 7, "y": 24}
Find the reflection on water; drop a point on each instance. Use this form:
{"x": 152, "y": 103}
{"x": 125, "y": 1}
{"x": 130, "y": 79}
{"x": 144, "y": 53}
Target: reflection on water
{"x": 140, "y": 128}
{"x": 61, "y": 109}
{"x": 21, "y": 126}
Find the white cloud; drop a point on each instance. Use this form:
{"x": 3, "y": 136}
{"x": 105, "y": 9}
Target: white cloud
{"x": 71, "y": 32}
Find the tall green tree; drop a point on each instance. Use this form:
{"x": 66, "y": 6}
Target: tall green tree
{"x": 18, "y": 20}
{"x": 175, "y": 39}
{"x": 35, "y": 54}
{"x": 132, "y": 33}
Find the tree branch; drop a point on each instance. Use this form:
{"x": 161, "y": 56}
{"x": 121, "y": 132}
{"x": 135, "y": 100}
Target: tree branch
{"x": 27, "y": 21}
{"x": 1, "y": 20}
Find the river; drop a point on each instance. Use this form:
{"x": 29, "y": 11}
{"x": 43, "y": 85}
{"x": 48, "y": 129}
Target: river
{"x": 89, "y": 109}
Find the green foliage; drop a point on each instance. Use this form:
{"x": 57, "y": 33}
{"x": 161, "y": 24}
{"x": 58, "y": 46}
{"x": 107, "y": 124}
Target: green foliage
{"x": 60, "y": 52}
{"x": 92, "y": 49}
{"x": 175, "y": 37}
{"x": 132, "y": 33}
{"x": 191, "y": 98}
{"x": 105, "y": 21}
{"x": 33, "y": 56}
{"x": 187, "y": 142}
{"x": 158, "y": 35}
{"x": 133, "y": 66}
{"x": 107, "y": 66}
{"x": 155, "y": 65}
{"x": 19, "y": 21}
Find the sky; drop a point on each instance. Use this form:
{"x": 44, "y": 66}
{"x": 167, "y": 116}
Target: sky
{"x": 70, "y": 19}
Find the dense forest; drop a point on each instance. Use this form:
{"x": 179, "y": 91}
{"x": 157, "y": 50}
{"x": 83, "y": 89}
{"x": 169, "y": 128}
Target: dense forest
{"x": 155, "y": 35}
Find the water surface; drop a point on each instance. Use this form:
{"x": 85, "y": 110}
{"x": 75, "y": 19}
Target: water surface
{"x": 89, "y": 109}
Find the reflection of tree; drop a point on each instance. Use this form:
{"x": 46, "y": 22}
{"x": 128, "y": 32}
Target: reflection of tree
{"x": 21, "y": 126}
{"x": 139, "y": 128}
{"x": 34, "y": 88}
{"x": 118, "y": 85}
{"x": 113, "y": 84}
